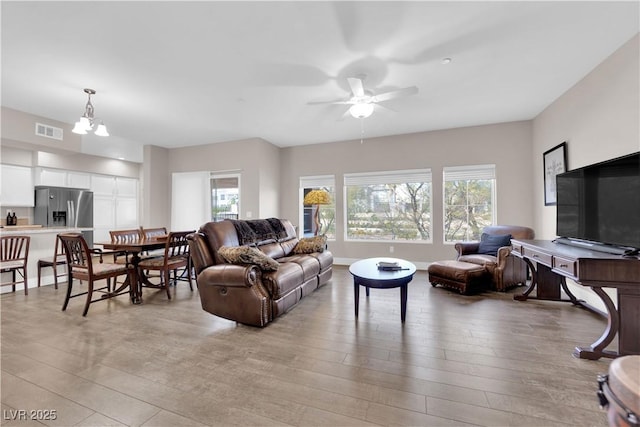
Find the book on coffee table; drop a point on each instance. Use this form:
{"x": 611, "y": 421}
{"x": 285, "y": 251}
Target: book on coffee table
{"x": 388, "y": 266}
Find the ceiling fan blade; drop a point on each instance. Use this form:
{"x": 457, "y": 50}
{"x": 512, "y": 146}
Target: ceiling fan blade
{"x": 357, "y": 87}
{"x": 337, "y": 101}
{"x": 412, "y": 90}
{"x": 345, "y": 115}
{"x": 384, "y": 107}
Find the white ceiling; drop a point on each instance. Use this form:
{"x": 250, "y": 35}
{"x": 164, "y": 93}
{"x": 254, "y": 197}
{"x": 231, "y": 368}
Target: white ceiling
{"x": 187, "y": 73}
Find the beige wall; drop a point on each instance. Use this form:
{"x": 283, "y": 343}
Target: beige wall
{"x": 155, "y": 186}
{"x": 18, "y": 130}
{"x": 20, "y": 145}
{"x": 255, "y": 159}
{"x": 599, "y": 118}
{"x": 506, "y": 145}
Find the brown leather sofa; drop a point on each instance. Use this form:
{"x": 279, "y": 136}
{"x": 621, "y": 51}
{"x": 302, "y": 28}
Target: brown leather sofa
{"x": 246, "y": 293}
{"x": 504, "y": 269}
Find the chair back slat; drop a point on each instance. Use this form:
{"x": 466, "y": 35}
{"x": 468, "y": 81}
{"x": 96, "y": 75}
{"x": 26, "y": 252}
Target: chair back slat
{"x": 177, "y": 244}
{"x": 77, "y": 252}
{"x": 149, "y": 233}
{"x": 14, "y": 248}
{"x": 126, "y": 236}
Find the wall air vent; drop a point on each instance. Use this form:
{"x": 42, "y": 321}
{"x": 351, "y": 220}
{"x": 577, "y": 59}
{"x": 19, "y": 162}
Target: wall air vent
{"x": 48, "y": 131}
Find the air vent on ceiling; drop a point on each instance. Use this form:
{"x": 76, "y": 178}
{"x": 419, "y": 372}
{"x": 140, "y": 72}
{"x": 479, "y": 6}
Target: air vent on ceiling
{"x": 48, "y": 131}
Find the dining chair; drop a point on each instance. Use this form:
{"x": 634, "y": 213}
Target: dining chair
{"x": 88, "y": 265}
{"x": 58, "y": 259}
{"x": 124, "y": 236}
{"x": 149, "y": 233}
{"x": 176, "y": 257}
{"x": 14, "y": 253}
{"x": 154, "y": 233}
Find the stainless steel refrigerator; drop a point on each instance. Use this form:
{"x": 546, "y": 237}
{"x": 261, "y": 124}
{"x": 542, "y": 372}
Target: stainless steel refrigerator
{"x": 65, "y": 207}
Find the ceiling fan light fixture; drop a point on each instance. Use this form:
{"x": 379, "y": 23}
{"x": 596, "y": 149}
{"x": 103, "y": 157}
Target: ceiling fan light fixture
{"x": 361, "y": 111}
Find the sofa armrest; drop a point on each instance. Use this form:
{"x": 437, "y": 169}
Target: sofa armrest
{"x": 199, "y": 251}
{"x": 466, "y": 248}
{"x": 229, "y": 275}
{"x": 502, "y": 255}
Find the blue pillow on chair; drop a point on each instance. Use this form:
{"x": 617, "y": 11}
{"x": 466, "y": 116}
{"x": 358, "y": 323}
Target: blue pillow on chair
{"x": 490, "y": 243}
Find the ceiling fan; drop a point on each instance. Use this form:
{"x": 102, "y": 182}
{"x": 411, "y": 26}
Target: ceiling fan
{"x": 362, "y": 101}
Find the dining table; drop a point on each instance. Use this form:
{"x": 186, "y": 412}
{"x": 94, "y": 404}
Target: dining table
{"x": 133, "y": 249}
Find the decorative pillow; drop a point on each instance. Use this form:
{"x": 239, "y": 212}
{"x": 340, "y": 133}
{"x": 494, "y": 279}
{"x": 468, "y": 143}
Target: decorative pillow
{"x": 248, "y": 255}
{"x": 490, "y": 243}
{"x": 308, "y": 245}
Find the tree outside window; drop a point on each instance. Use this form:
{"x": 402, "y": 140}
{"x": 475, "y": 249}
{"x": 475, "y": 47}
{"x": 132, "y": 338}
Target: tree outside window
{"x": 469, "y": 201}
{"x": 327, "y": 213}
{"x": 389, "y": 206}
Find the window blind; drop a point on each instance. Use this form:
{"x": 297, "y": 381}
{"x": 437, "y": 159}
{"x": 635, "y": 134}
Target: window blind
{"x": 388, "y": 177}
{"x": 465, "y": 173}
{"x": 317, "y": 181}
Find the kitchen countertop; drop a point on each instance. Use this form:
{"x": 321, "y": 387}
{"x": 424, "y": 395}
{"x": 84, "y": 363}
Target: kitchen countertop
{"x": 38, "y": 229}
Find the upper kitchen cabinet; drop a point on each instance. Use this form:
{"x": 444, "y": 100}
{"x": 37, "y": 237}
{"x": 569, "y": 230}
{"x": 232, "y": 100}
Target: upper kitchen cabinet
{"x": 17, "y": 186}
{"x": 62, "y": 178}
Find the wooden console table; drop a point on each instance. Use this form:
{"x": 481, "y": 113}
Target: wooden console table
{"x": 550, "y": 263}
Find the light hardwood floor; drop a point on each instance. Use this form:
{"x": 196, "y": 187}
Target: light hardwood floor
{"x": 458, "y": 360}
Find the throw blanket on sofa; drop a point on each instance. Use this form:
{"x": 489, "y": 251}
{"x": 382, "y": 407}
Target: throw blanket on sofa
{"x": 257, "y": 230}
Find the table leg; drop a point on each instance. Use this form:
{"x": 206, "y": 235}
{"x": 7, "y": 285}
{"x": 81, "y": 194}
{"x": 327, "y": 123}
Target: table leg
{"x": 136, "y": 294}
{"x": 356, "y": 295}
{"x": 366, "y": 290}
{"x": 403, "y": 302}
{"x": 597, "y": 349}
{"x": 534, "y": 281}
{"x": 136, "y": 285}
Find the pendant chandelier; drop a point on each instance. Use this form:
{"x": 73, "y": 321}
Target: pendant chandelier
{"x": 88, "y": 121}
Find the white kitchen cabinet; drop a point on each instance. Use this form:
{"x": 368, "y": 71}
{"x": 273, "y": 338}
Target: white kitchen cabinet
{"x": 103, "y": 185}
{"x": 62, "y": 178}
{"x": 52, "y": 177}
{"x": 17, "y": 186}
{"x": 78, "y": 180}
{"x": 115, "y": 204}
{"x": 126, "y": 187}
{"x": 126, "y": 213}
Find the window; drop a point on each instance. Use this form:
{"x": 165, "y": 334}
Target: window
{"x": 393, "y": 205}
{"x": 326, "y": 213}
{"x": 469, "y": 201}
{"x": 225, "y": 197}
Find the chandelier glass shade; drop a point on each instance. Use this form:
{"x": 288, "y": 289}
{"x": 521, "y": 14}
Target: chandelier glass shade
{"x": 88, "y": 121}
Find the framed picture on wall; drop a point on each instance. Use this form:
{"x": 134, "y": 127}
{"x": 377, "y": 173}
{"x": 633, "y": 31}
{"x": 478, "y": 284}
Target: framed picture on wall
{"x": 555, "y": 162}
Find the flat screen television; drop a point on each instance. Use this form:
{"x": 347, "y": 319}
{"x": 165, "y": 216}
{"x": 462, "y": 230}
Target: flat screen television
{"x": 599, "y": 205}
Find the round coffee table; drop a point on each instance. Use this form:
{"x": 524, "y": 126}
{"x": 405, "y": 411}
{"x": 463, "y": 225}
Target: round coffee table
{"x": 366, "y": 273}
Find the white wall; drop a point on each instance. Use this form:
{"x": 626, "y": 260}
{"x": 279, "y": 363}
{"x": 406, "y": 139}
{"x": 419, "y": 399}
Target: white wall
{"x": 256, "y": 160}
{"x": 507, "y": 145}
{"x": 599, "y": 118}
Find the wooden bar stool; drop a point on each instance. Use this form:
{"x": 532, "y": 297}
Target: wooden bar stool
{"x": 58, "y": 258}
{"x": 14, "y": 252}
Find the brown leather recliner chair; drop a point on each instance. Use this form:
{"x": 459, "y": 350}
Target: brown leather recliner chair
{"x": 504, "y": 269}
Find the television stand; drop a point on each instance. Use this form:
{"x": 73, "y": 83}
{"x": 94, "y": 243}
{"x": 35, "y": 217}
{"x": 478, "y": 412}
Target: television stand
{"x": 551, "y": 263}
{"x": 594, "y": 246}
